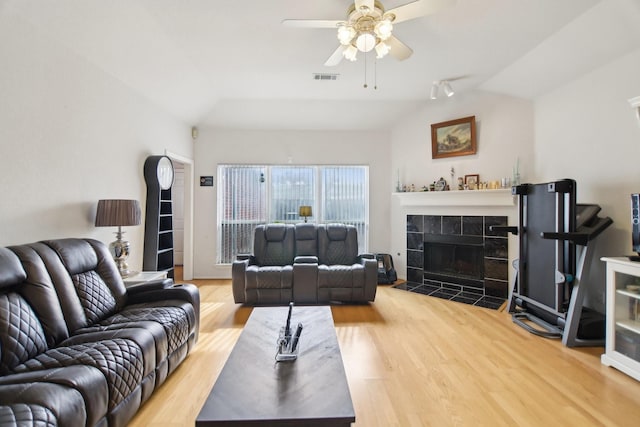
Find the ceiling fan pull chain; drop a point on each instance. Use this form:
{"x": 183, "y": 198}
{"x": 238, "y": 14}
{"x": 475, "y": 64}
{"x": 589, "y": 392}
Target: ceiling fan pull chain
{"x": 365, "y": 70}
{"x": 375, "y": 73}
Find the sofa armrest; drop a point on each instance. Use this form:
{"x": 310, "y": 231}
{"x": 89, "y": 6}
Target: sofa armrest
{"x": 305, "y": 259}
{"x": 88, "y": 381}
{"x": 370, "y": 276}
{"x": 305, "y": 279}
{"x": 151, "y": 285}
{"x": 238, "y": 279}
{"x": 43, "y": 403}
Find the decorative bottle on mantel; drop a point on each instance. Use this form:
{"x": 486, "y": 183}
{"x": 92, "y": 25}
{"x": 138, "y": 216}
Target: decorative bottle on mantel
{"x": 452, "y": 173}
{"x": 516, "y": 172}
{"x": 398, "y": 186}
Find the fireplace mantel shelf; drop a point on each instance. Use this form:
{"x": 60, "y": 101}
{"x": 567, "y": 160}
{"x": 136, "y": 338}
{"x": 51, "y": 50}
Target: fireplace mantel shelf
{"x": 501, "y": 197}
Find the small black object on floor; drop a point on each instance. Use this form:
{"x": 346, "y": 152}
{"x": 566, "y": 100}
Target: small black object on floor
{"x": 465, "y": 297}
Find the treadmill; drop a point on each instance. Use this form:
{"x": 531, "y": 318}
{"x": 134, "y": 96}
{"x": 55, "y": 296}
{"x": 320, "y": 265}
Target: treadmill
{"x": 556, "y": 238}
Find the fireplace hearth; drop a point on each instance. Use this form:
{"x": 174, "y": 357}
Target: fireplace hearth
{"x": 458, "y": 258}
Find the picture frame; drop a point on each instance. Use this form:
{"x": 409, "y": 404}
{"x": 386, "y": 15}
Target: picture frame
{"x": 454, "y": 138}
{"x": 471, "y": 181}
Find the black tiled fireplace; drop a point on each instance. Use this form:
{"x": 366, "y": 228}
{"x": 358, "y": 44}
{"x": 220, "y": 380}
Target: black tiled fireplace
{"x": 457, "y": 257}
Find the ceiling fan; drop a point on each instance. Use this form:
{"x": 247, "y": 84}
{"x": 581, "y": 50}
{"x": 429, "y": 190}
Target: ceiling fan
{"x": 369, "y": 26}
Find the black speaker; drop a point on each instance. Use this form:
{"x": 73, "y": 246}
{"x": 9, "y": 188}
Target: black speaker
{"x": 635, "y": 222}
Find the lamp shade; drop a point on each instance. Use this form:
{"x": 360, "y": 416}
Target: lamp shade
{"x": 350, "y": 52}
{"x": 383, "y": 29}
{"x": 305, "y": 211}
{"x": 382, "y": 49}
{"x": 112, "y": 213}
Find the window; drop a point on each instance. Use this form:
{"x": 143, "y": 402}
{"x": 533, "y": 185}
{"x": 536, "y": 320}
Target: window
{"x": 252, "y": 195}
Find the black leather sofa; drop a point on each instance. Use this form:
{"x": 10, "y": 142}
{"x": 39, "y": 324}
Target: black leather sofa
{"x": 304, "y": 263}
{"x": 78, "y": 348}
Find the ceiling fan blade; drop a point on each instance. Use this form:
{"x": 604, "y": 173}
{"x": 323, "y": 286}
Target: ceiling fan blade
{"x": 310, "y": 23}
{"x": 399, "y": 50}
{"x": 335, "y": 57}
{"x": 369, "y": 4}
{"x": 418, "y": 8}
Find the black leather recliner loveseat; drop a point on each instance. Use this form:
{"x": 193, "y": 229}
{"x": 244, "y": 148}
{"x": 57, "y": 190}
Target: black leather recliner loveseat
{"x": 78, "y": 348}
{"x": 304, "y": 263}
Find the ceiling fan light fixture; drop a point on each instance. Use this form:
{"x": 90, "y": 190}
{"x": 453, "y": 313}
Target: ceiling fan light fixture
{"x": 365, "y": 42}
{"x": 350, "y": 53}
{"x": 446, "y": 87}
{"x": 383, "y": 29}
{"x": 382, "y": 49}
{"x": 346, "y": 33}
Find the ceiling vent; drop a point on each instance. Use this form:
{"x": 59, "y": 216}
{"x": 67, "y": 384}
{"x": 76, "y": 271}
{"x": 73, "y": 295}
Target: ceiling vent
{"x": 325, "y": 76}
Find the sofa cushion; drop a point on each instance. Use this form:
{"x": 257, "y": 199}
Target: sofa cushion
{"x": 337, "y": 244}
{"x": 174, "y": 321}
{"x": 119, "y": 360}
{"x": 336, "y": 231}
{"x": 39, "y": 291}
{"x": 76, "y": 254}
{"x": 306, "y": 240}
{"x": 21, "y": 334}
{"x": 11, "y": 271}
{"x": 269, "y": 284}
{"x": 270, "y": 277}
{"x": 96, "y": 298}
{"x": 274, "y": 244}
{"x": 275, "y": 232}
{"x": 85, "y": 279}
{"x": 341, "y": 276}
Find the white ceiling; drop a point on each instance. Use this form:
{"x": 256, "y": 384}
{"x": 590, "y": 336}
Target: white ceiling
{"x": 231, "y": 63}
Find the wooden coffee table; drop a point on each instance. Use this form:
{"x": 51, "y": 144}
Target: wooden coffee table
{"x": 253, "y": 389}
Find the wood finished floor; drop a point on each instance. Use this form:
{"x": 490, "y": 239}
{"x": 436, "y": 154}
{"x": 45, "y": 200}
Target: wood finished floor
{"x": 413, "y": 360}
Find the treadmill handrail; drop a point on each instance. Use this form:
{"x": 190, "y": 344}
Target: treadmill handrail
{"x": 580, "y": 237}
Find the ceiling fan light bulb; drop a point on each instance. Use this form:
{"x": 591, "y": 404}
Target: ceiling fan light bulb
{"x": 346, "y": 34}
{"x": 382, "y": 49}
{"x": 365, "y": 42}
{"x": 350, "y": 53}
{"x": 383, "y": 29}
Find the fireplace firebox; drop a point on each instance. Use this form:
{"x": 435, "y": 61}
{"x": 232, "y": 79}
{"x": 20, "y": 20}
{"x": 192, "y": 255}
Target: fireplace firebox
{"x": 454, "y": 259}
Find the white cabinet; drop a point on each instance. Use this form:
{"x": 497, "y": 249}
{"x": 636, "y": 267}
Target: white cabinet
{"x": 622, "y": 349}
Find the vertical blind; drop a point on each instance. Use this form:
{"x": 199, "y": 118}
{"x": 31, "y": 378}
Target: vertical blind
{"x": 241, "y": 206}
{"x": 258, "y": 194}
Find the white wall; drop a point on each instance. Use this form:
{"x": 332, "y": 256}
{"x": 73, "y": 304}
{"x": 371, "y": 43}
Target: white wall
{"x": 586, "y": 130}
{"x": 70, "y": 134}
{"x": 216, "y": 146}
{"x": 504, "y": 134}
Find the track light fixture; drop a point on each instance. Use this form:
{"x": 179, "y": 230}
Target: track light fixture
{"x": 446, "y": 88}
